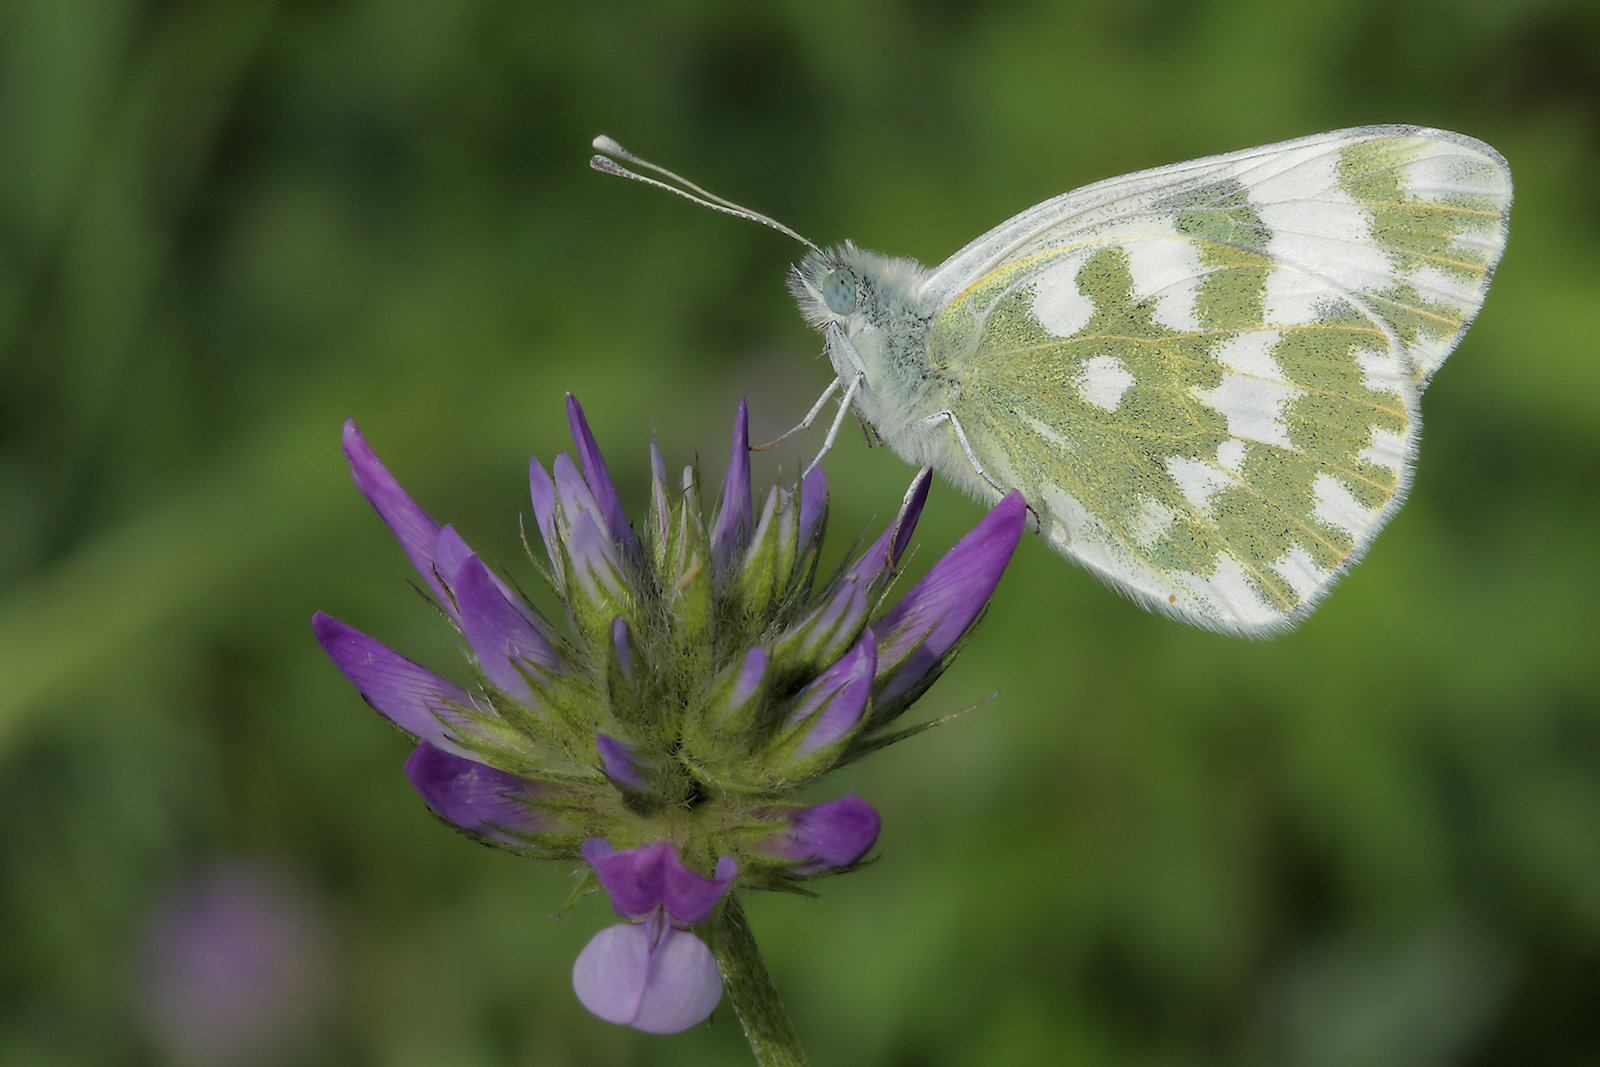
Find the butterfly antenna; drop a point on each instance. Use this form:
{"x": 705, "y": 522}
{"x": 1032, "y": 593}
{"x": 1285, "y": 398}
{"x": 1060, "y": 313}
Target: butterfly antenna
{"x": 605, "y": 164}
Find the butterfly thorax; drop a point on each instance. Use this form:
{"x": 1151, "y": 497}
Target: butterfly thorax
{"x": 870, "y": 308}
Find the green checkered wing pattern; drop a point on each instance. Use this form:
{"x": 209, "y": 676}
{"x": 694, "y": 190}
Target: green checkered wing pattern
{"x": 1205, "y": 378}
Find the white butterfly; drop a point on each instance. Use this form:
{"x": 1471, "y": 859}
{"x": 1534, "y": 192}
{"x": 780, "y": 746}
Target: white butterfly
{"x": 1205, "y": 378}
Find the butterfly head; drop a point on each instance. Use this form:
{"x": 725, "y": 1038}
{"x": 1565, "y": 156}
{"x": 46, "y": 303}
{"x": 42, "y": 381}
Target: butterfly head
{"x": 852, "y": 288}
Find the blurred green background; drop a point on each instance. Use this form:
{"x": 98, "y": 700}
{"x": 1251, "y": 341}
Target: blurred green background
{"x": 224, "y": 226}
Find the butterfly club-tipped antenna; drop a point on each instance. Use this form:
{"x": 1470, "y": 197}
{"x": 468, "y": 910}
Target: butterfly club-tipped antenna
{"x": 611, "y": 157}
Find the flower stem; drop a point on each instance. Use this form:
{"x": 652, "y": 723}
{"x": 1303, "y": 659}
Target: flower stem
{"x": 749, "y": 985}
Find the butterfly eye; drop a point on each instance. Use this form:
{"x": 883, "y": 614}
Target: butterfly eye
{"x": 839, "y": 292}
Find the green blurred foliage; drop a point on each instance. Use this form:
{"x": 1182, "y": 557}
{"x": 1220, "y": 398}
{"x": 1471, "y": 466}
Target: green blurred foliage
{"x": 226, "y": 226}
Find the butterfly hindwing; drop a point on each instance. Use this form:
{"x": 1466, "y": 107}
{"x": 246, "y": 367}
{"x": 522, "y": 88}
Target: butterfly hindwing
{"x": 1205, "y": 378}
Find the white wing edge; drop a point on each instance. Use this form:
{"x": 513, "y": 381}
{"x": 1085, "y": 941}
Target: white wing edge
{"x": 980, "y": 256}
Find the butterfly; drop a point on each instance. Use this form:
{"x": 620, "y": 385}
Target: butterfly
{"x": 1204, "y": 378}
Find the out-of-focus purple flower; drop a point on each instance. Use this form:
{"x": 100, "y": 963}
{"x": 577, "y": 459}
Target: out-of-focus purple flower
{"x": 703, "y": 674}
{"x": 651, "y": 973}
{"x": 232, "y": 969}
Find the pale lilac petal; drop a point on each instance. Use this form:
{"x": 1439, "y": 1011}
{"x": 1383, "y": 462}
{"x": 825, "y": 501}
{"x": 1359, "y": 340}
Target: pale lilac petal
{"x": 406, "y": 693}
{"x": 617, "y": 760}
{"x": 837, "y": 698}
{"x": 610, "y": 973}
{"x": 411, "y": 526}
{"x": 660, "y": 980}
{"x": 593, "y": 555}
{"x": 660, "y": 510}
{"x": 642, "y": 878}
{"x": 826, "y": 836}
{"x": 732, "y": 525}
{"x": 917, "y": 632}
{"x": 599, "y": 481}
{"x": 574, "y": 493}
{"x": 477, "y": 797}
{"x": 542, "y": 491}
{"x": 684, "y": 985}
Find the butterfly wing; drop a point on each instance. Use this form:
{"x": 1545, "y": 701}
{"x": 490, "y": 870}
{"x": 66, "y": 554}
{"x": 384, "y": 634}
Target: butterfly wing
{"x": 1205, "y": 377}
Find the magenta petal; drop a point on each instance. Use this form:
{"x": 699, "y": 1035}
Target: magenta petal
{"x": 922, "y": 627}
{"x": 732, "y": 526}
{"x": 841, "y": 694}
{"x": 477, "y": 797}
{"x": 659, "y": 981}
{"x": 642, "y": 878}
{"x": 599, "y": 481}
{"x": 406, "y": 693}
{"x": 826, "y": 836}
{"x": 411, "y": 526}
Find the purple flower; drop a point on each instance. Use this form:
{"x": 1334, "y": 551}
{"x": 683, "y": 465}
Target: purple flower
{"x": 233, "y": 966}
{"x": 651, "y": 973}
{"x": 701, "y": 675}
{"x": 825, "y": 837}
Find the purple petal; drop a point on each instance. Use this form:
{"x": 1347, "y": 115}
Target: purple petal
{"x": 838, "y": 622}
{"x": 542, "y": 491}
{"x": 919, "y": 630}
{"x": 690, "y": 898}
{"x": 622, "y": 643}
{"x": 593, "y": 555}
{"x": 477, "y": 797}
{"x": 732, "y": 525}
{"x": 652, "y": 977}
{"x": 826, "y": 836}
{"x": 837, "y": 698}
{"x": 642, "y": 878}
{"x": 501, "y": 636}
{"x": 617, "y": 760}
{"x": 813, "y": 504}
{"x": 911, "y": 511}
{"x": 750, "y": 674}
{"x": 574, "y": 493}
{"x": 406, "y": 693}
{"x": 886, "y": 551}
{"x": 234, "y": 964}
{"x": 410, "y": 525}
{"x": 599, "y": 481}
{"x": 660, "y": 511}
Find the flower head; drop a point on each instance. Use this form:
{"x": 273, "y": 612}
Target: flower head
{"x": 702, "y": 675}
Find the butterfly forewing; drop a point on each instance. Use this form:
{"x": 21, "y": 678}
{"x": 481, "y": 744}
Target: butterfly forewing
{"x": 1205, "y": 378}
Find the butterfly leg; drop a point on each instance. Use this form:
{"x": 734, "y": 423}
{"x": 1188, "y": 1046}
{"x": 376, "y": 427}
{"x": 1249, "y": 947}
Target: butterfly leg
{"x": 838, "y": 420}
{"x": 811, "y": 416}
{"x": 972, "y": 458}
